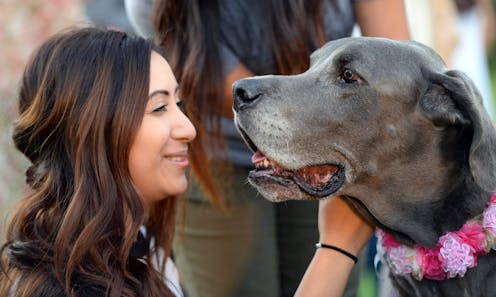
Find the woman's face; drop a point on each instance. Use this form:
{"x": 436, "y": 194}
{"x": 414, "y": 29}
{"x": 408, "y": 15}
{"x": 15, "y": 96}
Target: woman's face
{"x": 159, "y": 153}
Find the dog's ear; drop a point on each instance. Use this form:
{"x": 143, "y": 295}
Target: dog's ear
{"x": 453, "y": 99}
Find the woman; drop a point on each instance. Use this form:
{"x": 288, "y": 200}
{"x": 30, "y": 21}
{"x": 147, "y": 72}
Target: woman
{"x": 101, "y": 123}
{"x": 257, "y": 248}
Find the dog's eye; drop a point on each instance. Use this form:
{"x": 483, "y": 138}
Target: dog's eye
{"x": 348, "y": 76}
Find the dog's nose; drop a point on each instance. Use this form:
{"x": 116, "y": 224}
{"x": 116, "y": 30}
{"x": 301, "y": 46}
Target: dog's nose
{"x": 245, "y": 94}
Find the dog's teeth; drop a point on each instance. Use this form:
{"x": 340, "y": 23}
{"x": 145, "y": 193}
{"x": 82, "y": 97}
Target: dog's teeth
{"x": 266, "y": 163}
{"x": 262, "y": 164}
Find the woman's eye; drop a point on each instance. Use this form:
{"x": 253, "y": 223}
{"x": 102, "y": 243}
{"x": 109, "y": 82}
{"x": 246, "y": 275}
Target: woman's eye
{"x": 161, "y": 108}
{"x": 180, "y": 104}
{"x": 348, "y": 76}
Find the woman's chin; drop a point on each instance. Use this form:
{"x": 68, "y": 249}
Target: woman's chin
{"x": 179, "y": 187}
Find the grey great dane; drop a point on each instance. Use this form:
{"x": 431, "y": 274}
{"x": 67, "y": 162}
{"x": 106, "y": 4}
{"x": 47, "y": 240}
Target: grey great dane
{"x": 386, "y": 125}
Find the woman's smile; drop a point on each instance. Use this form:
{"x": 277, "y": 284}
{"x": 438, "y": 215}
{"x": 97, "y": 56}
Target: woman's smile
{"x": 180, "y": 158}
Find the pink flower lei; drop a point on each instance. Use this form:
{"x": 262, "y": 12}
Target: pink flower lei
{"x": 454, "y": 253}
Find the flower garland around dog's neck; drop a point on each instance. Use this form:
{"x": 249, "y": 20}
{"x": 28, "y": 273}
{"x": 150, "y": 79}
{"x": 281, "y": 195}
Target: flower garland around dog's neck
{"x": 454, "y": 253}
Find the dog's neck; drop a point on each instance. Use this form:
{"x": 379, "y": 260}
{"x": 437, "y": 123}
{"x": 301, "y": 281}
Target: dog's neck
{"x": 429, "y": 221}
{"x": 454, "y": 253}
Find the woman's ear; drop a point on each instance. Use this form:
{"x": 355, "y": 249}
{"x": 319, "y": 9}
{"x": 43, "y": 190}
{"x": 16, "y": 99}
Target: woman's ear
{"x": 452, "y": 99}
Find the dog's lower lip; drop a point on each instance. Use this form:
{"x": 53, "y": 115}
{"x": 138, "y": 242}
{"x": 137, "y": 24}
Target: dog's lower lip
{"x": 317, "y": 180}
{"x": 332, "y": 174}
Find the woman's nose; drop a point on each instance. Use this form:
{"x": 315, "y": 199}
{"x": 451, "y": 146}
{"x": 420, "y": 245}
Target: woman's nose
{"x": 184, "y": 129}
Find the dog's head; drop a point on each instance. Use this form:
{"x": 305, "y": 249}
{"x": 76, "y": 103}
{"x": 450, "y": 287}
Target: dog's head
{"x": 379, "y": 121}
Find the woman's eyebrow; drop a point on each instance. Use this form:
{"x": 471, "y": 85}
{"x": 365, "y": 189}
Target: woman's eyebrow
{"x": 165, "y": 92}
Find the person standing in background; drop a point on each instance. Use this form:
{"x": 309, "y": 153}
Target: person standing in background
{"x": 255, "y": 248}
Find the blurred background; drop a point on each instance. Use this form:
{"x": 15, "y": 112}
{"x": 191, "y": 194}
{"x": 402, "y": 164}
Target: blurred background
{"x": 24, "y": 25}
{"x": 462, "y": 33}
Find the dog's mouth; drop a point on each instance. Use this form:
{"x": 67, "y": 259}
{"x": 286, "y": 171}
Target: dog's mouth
{"x": 318, "y": 180}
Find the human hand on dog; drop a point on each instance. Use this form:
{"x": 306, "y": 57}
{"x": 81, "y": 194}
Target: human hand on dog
{"x": 329, "y": 270}
{"x": 340, "y": 226}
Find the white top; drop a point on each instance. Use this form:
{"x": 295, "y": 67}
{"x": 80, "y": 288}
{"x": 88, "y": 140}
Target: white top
{"x": 172, "y": 278}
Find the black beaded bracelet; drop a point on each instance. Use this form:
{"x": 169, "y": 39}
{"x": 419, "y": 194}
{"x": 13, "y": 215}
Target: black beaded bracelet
{"x": 327, "y": 246}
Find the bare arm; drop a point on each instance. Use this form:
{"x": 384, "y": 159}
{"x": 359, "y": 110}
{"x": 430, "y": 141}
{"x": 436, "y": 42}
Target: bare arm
{"x": 328, "y": 272}
{"x": 382, "y": 18}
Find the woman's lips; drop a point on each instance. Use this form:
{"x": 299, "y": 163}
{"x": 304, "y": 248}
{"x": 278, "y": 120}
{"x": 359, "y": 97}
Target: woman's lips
{"x": 179, "y": 159}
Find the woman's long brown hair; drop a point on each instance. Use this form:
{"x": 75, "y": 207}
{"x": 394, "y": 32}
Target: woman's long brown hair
{"x": 82, "y": 99}
{"x": 189, "y": 31}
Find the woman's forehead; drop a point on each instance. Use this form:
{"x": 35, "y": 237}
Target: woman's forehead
{"x": 161, "y": 76}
